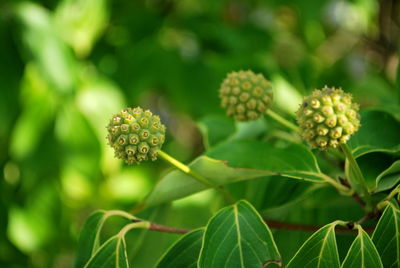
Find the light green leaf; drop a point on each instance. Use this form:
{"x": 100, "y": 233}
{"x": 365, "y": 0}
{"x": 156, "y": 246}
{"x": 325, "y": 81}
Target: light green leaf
{"x": 378, "y": 133}
{"x": 39, "y": 105}
{"x": 83, "y": 26}
{"x": 238, "y": 237}
{"x": 320, "y": 250}
{"x": 362, "y": 253}
{"x": 54, "y": 58}
{"x": 184, "y": 253}
{"x": 388, "y": 178}
{"x": 88, "y": 238}
{"x": 111, "y": 254}
{"x": 231, "y": 163}
{"x": 386, "y": 237}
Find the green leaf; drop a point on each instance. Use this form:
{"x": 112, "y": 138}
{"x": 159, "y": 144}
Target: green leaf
{"x": 233, "y": 164}
{"x": 373, "y": 165}
{"x": 81, "y": 29}
{"x": 89, "y": 238}
{"x": 320, "y": 250}
{"x": 362, "y": 253}
{"x": 262, "y": 156}
{"x": 388, "y": 178}
{"x": 53, "y": 56}
{"x": 39, "y": 105}
{"x": 184, "y": 253}
{"x": 111, "y": 254}
{"x": 215, "y": 129}
{"x": 378, "y": 133}
{"x": 238, "y": 237}
{"x": 249, "y": 130}
{"x": 386, "y": 237}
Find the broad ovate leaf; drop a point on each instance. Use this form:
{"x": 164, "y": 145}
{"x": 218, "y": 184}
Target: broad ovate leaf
{"x": 184, "y": 253}
{"x": 386, "y": 237}
{"x": 235, "y": 161}
{"x": 362, "y": 253}
{"x": 238, "y": 237}
{"x": 319, "y": 251}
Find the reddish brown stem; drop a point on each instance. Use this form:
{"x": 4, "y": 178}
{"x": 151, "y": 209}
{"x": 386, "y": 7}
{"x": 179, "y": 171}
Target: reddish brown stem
{"x": 271, "y": 223}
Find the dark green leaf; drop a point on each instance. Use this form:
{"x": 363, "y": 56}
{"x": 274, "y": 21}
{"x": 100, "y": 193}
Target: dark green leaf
{"x": 386, "y": 237}
{"x": 388, "y": 178}
{"x": 184, "y": 253}
{"x": 111, "y": 254}
{"x": 89, "y": 238}
{"x": 238, "y": 237}
{"x": 320, "y": 250}
{"x": 378, "y": 133}
{"x": 215, "y": 129}
{"x": 362, "y": 253}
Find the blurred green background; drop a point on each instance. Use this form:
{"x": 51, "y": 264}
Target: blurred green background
{"x": 67, "y": 66}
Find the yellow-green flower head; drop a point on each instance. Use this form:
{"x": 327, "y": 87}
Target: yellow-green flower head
{"x": 135, "y": 135}
{"x": 328, "y": 118}
{"x": 245, "y": 95}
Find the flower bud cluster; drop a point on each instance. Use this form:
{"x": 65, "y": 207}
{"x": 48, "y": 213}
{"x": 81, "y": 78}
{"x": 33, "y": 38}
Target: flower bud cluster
{"x": 328, "y": 118}
{"x": 245, "y": 95}
{"x": 135, "y": 135}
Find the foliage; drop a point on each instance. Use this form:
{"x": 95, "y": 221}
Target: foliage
{"x": 253, "y": 193}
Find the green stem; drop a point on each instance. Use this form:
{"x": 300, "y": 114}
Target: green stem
{"x": 357, "y": 181}
{"x": 282, "y": 120}
{"x": 186, "y": 169}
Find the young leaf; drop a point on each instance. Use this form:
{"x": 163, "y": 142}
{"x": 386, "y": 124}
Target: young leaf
{"x": 231, "y": 163}
{"x": 386, "y": 237}
{"x": 237, "y": 237}
{"x": 362, "y": 253}
{"x": 111, "y": 254}
{"x": 320, "y": 250}
{"x": 88, "y": 236}
{"x": 184, "y": 253}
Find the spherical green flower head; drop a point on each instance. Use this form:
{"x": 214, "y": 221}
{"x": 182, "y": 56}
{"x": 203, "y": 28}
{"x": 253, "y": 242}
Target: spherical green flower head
{"x": 245, "y": 95}
{"x": 135, "y": 135}
{"x": 328, "y": 118}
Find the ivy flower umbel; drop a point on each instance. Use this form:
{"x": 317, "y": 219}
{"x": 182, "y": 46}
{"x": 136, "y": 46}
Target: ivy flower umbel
{"x": 328, "y": 118}
{"x": 246, "y": 96}
{"x": 135, "y": 135}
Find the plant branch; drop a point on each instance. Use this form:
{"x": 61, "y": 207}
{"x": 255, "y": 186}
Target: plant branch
{"x": 186, "y": 169}
{"x": 271, "y": 223}
{"x": 282, "y": 120}
{"x": 162, "y": 228}
{"x": 355, "y": 196}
